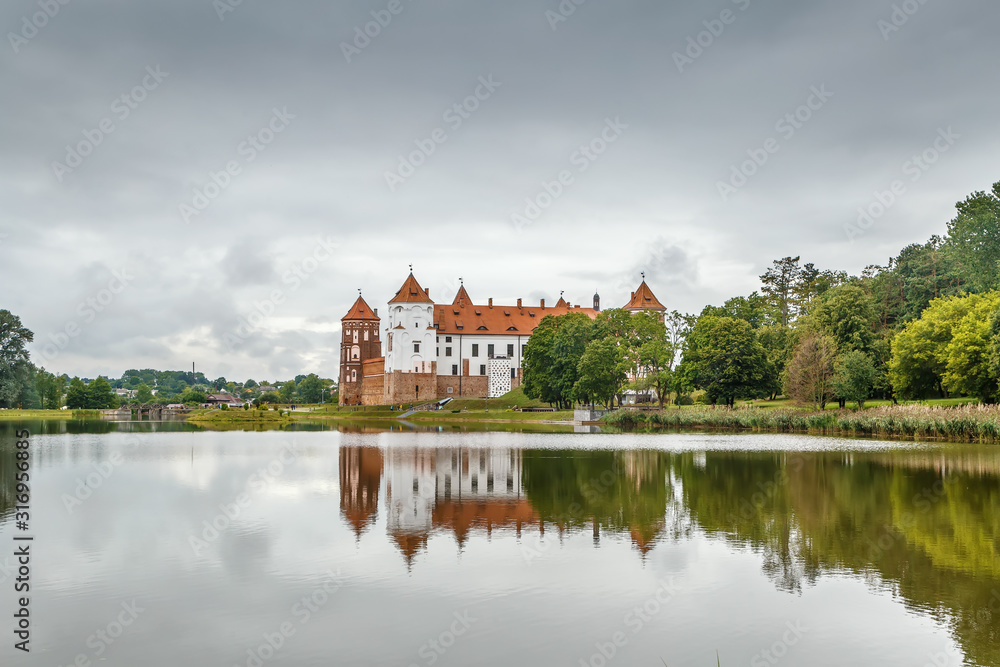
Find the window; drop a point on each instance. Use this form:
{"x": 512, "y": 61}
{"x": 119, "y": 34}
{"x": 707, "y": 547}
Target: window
{"x": 454, "y": 369}
{"x": 510, "y": 350}
{"x": 513, "y": 373}
{"x": 416, "y": 325}
{"x": 447, "y": 351}
{"x": 475, "y": 349}
{"x": 366, "y": 334}
{"x": 437, "y": 351}
{"x": 489, "y": 349}
{"x": 354, "y": 376}
{"x": 416, "y": 347}
{"x": 482, "y": 369}
{"x": 438, "y": 339}
{"x": 447, "y": 339}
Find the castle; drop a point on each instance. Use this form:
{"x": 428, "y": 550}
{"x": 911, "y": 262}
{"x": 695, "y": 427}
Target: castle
{"x": 433, "y": 351}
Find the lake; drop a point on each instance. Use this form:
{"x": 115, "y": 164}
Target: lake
{"x": 161, "y": 544}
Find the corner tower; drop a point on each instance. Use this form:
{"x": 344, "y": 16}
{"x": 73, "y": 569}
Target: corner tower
{"x": 410, "y": 354}
{"x": 359, "y": 343}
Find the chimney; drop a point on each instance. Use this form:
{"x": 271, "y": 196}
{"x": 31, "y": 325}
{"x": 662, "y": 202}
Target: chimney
{"x": 491, "y": 303}
{"x": 633, "y": 295}
{"x": 428, "y": 291}
{"x": 543, "y": 304}
{"x": 376, "y": 312}
{"x": 518, "y": 303}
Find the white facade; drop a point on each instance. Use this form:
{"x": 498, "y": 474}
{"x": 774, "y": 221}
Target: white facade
{"x": 454, "y": 349}
{"x": 409, "y": 490}
{"x": 409, "y": 339}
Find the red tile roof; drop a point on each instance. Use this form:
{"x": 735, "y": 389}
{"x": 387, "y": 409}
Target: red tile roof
{"x": 644, "y": 299}
{"x": 411, "y": 292}
{"x": 360, "y": 311}
{"x": 466, "y": 317}
{"x": 462, "y": 296}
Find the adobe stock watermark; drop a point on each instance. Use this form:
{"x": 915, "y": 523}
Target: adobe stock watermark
{"x": 787, "y": 127}
{"x": 714, "y": 28}
{"x": 635, "y": 620}
{"x": 302, "y": 611}
{"x": 773, "y": 654}
{"x": 364, "y": 34}
{"x": 31, "y": 25}
{"x": 121, "y": 108}
{"x": 256, "y": 483}
{"x": 562, "y": 13}
{"x": 85, "y": 486}
{"x": 294, "y": 277}
{"x": 432, "y": 650}
{"x": 223, "y": 7}
{"x": 914, "y": 169}
{"x": 104, "y": 638}
{"x": 900, "y": 16}
{"x": 454, "y": 117}
{"x": 248, "y": 150}
{"x": 582, "y": 158}
{"x": 88, "y": 311}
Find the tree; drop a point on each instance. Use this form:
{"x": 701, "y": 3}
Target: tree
{"x": 974, "y": 240}
{"x": 854, "y": 377}
{"x": 779, "y": 285}
{"x": 76, "y": 396}
{"x": 249, "y": 384}
{"x": 100, "y": 395}
{"x": 755, "y": 309}
{"x": 15, "y": 365}
{"x": 49, "y": 388}
{"x": 311, "y": 389}
{"x": 845, "y": 314}
{"x": 286, "y": 393}
{"x": 193, "y": 397}
{"x": 968, "y": 370}
{"x": 724, "y": 357}
{"x": 809, "y": 376}
{"x": 919, "y": 352}
{"x": 552, "y": 357}
{"x": 143, "y": 394}
{"x": 601, "y": 371}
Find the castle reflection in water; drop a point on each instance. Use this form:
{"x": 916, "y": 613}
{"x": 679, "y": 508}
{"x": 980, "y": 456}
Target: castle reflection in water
{"x": 462, "y": 491}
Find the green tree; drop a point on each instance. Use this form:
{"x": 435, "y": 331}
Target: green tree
{"x": 601, "y": 372}
{"x": 311, "y": 389}
{"x": 920, "y": 351}
{"x": 143, "y": 394}
{"x": 287, "y": 392}
{"x": 974, "y": 240}
{"x": 49, "y": 387}
{"x": 854, "y": 378}
{"x": 847, "y": 315}
{"x": 968, "y": 371}
{"x": 76, "y": 395}
{"x": 725, "y": 358}
{"x": 15, "y": 365}
{"x": 193, "y": 397}
{"x": 100, "y": 395}
{"x": 779, "y": 286}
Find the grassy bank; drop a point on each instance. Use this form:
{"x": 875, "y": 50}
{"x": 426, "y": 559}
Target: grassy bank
{"x": 241, "y": 417}
{"x": 965, "y": 423}
{"x": 49, "y": 414}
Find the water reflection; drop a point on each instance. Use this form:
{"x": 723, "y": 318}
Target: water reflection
{"x": 923, "y": 524}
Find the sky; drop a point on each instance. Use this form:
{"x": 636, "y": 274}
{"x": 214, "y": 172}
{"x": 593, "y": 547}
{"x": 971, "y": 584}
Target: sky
{"x": 212, "y": 182}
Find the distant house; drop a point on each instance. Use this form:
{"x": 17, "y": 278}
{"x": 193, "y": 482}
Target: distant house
{"x": 125, "y": 393}
{"x": 264, "y": 388}
{"x": 224, "y": 399}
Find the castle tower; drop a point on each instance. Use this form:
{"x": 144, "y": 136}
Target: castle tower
{"x": 644, "y": 299}
{"x": 410, "y": 346}
{"x": 359, "y": 343}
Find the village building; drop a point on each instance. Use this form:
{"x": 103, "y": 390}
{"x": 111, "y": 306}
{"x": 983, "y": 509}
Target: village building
{"x": 428, "y": 351}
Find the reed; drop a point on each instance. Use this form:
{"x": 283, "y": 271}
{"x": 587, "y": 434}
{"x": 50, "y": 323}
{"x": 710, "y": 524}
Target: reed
{"x": 966, "y": 423}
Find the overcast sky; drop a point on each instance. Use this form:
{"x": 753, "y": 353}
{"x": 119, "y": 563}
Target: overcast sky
{"x": 94, "y": 183}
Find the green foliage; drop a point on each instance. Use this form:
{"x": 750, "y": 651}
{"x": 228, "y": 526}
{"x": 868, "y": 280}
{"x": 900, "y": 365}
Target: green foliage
{"x": 311, "y": 389}
{"x": 76, "y": 395}
{"x": 193, "y": 397}
{"x": 602, "y": 371}
{"x": 968, "y": 371}
{"x": 552, "y": 357}
{"x": 919, "y": 351}
{"x": 100, "y": 395}
{"x": 724, "y": 357}
{"x": 847, "y": 315}
{"x": 809, "y": 375}
{"x": 974, "y": 240}
{"x": 286, "y": 393}
{"x": 854, "y": 378}
{"x": 143, "y": 394}
{"x": 16, "y": 371}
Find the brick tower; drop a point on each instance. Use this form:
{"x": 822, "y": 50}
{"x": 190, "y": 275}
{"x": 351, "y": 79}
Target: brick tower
{"x": 359, "y": 343}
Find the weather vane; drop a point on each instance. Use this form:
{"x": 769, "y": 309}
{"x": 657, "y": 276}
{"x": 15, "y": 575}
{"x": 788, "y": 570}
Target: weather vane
{"x": 460, "y": 281}
{"x": 411, "y": 268}
{"x": 643, "y": 276}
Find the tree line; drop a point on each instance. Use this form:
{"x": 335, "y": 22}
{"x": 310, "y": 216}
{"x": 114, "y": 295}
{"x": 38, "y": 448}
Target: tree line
{"x": 927, "y": 324}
